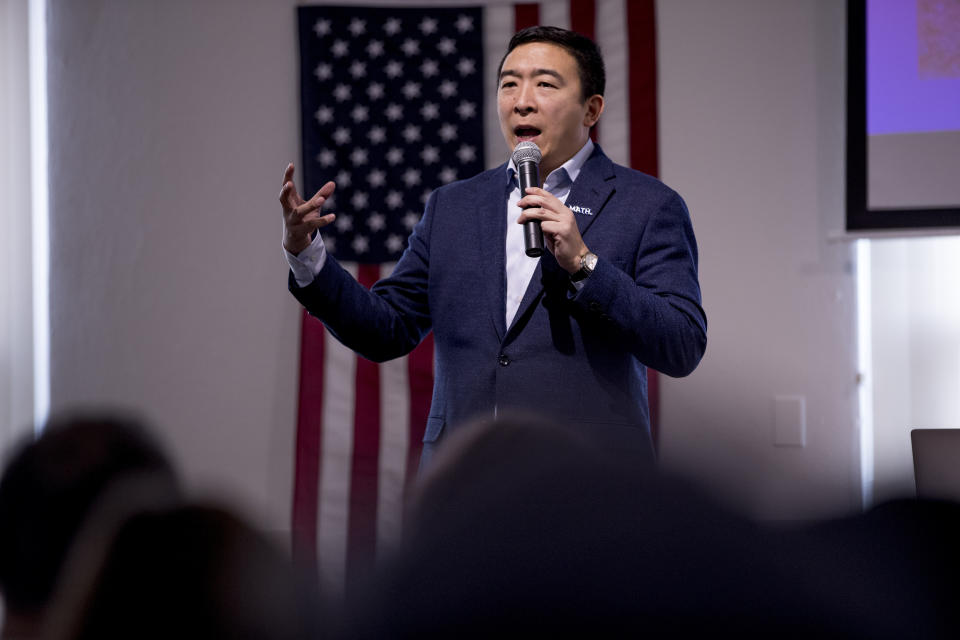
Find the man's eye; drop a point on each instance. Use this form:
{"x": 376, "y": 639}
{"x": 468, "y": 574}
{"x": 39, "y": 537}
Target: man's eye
{"x": 547, "y": 84}
{"x": 507, "y": 84}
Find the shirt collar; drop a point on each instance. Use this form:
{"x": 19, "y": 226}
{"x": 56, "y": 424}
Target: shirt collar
{"x": 572, "y": 166}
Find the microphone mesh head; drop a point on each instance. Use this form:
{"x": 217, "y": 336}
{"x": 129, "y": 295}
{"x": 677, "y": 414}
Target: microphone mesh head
{"x": 526, "y": 151}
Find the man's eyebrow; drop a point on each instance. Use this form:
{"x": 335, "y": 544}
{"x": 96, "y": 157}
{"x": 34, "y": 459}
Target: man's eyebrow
{"x": 536, "y": 72}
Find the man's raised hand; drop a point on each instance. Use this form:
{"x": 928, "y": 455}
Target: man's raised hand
{"x": 301, "y": 217}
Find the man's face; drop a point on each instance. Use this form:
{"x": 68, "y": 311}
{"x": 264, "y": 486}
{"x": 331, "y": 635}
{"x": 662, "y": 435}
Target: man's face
{"x": 539, "y": 99}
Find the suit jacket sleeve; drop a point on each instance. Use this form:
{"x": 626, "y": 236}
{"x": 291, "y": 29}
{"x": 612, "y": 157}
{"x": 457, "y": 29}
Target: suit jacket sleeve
{"x": 390, "y": 319}
{"x": 657, "y": 312}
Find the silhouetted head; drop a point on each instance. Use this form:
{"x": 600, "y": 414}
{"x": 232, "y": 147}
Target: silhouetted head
{"x": 188, "y": 570}
{"x": 51, "y": 485}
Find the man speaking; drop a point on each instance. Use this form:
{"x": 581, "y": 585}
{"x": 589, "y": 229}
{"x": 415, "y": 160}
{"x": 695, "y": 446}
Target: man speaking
{"x": 567, "y": 335}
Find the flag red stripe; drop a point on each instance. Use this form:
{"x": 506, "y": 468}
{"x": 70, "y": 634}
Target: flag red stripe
{"x": 420, "y": 380}
{"x": 583, "y": 17}
{"x": 644, "y": 153}
{"x": 306, "y": 483}
{"x": 642, "y": 73}
{"x": 583, "y": 20}
{"x": 362, "y": 523}
{"x": 526, "y": 15}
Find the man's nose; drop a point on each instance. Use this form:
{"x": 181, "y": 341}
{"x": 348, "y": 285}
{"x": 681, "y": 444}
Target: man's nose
{"x": 526, "y": 101}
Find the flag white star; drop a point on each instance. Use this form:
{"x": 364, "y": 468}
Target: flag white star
{"x": 343, "y": 179}
{"x": 392, "y": 26}
{"x": 410, "y": 47}
{"x": 323, "y": 71}
{"x": 377, "y": 135}
{"x": 359, "y": 113}
{"x": 394, "y": 112}
{"x": 411, "y": 177}
{"x": 447, "y": 174}
{"x": 429, "y": 68}
{"x": 394, "y": 243}
{"x": 375, "y": 49}
{"x": 340, "y": 48}
{"x": 360, "y": 244}
{"x": 448, "y": 132}
{"x": 358, "y": 69}
{"x": 344, "y": 223}
{"x": 448, "y": 88}
{"x": 341, "y": 135}
{"x": 330, "y": 203}
{"x": 393, "y": 69}
{"x": 321, "y": 28}
{"x": 446, "y": 46}
{"x": 466, "y": 66}
{"x": 324, "y": 115}
{"x": 429, "y": 111}
{"x": 359, "y": 200}
{"x": 326, "y": 158}
{"x": 425, "y": 195}
{"x": 395, "y": 155}
{"x": 357, "y": 27}
{"x": 341, "y": 92}
{"x": 375, "y": 91}
{"x": 376, "y": 221}
{"x": 358, "y": 156}
{"x": 377, "y": 178}
{"x": 430, "y": 154}
{"x": 330, "y": 244}
{"x": 411, "y": 219}
{"x": 466, "y": 153}
{"x": 394, "y": 199}
{"x": 428, "y": 26}
{"x": 464, "y": 23}
{"x": 411, "y": 90}
{"x": 411, "y": 133}
{"x": 466, "y": 109}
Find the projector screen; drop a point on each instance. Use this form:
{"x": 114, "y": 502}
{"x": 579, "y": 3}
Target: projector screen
{"x": 903, "y": 153}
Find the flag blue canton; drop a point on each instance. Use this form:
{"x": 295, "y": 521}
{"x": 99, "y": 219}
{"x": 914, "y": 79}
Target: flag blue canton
{"x": 392, "y": 108}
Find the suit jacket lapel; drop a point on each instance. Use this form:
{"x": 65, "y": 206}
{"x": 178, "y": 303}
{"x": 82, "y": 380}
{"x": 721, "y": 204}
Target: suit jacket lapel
{"x": 590, "y": 192}
{"x": 492, "y": 219}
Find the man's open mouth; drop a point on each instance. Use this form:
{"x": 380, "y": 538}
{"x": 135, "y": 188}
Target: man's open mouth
{"x": 526, "y": 133}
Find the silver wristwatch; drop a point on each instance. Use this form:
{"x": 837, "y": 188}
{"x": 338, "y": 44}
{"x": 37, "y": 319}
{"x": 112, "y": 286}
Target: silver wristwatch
{"x": 587, "y": 264}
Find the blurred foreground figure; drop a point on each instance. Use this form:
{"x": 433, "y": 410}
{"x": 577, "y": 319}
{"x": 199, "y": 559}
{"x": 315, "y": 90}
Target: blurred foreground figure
{"x": 190, "y": 571}
{"x": 49, "y": 488}
{"x": 524, "y": 529}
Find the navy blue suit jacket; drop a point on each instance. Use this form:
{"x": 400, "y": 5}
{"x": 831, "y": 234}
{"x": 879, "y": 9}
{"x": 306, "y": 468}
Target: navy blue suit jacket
{"x": 580, "y": 356}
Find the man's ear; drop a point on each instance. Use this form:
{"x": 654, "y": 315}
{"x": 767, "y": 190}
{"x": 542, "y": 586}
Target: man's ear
{"x": 594, "y": 108}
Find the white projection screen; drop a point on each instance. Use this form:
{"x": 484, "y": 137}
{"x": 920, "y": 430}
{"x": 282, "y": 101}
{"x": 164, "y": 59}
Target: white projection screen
{"x": 903, "y": 114}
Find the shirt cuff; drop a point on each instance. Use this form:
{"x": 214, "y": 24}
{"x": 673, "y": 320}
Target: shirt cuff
{"x": 308, "y": 263}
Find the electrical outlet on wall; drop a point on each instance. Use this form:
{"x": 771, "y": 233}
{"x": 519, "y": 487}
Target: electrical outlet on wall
{"x": 790, "y": 421}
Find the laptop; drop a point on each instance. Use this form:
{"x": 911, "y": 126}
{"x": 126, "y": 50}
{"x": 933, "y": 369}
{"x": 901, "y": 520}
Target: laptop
{"x": 936, "y": 463}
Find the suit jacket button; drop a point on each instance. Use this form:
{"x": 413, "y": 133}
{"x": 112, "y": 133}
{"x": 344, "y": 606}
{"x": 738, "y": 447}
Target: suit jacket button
{"x": 503, "y": 360}
{"x": 594, "y": 306}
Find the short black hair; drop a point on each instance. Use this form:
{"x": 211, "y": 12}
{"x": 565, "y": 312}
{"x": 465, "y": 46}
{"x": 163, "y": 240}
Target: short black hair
{"x": 593, "y": 77}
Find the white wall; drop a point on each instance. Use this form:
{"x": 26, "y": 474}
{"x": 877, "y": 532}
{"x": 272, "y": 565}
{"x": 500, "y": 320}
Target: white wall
{"x": 16, "y": 331}
{"x": 170, "y": 127}
{"x": 916, "y": 351}
{"x": 751, "y": 122}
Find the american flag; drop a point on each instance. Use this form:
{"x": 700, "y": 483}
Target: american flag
{"x": 396, "y": 101}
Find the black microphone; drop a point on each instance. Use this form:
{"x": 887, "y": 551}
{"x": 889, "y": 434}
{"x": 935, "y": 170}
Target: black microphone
{"x": 527, "y": 157}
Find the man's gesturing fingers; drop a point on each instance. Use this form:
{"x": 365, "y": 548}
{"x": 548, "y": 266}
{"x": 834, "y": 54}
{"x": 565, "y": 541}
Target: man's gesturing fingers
{"x": 309, "y": 211}
{"x": 289, "y": 198}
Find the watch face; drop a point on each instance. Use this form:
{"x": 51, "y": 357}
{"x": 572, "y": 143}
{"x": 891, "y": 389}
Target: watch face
{"x": 590, "y": 261}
